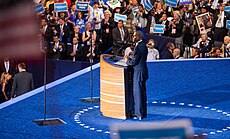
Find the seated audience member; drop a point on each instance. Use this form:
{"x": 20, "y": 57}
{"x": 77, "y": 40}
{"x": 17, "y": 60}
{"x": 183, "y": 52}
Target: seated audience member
{"x": 129, "y": 51}
{"x": 153, "y": 54}
{"x": 195, "y": 53}
{"x": 205, "y": 45}
{"x": 216, "y": 53}
{"x": 176, "y": 53}
{"x": 75, "y": 50}
{"x": 58, "y": 49}
{"x": 168, "y": 54}
{"x": 23, "y": 81}
{"x": 225, "y": 48}
{"x": 6, "y": 83}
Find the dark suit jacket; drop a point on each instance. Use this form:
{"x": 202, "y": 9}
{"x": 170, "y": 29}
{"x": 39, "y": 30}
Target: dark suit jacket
{"x": 117, "y": 36}
{"x": 167, "y": 55}
{"x": 79, "y": 52}
{"x": 139, "y": 62}
{"x": 23, "y": 82}
{"x": 12, "y": 68}
{"x": 215, "y": 18}
{"x": 66, "y": 32}
{"x": 60, "y": 55}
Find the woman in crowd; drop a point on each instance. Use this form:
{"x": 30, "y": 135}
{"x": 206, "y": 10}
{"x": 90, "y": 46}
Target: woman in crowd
{"x": 87, "y": 36}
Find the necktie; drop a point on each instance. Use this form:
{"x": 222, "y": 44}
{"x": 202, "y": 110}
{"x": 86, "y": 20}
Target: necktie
{"x": 60, "y": 36}
{"x": 122, "y": 34}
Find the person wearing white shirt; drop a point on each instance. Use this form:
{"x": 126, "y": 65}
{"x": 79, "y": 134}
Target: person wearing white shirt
{"x": 153, "y": 54}
{"x": 96, "y": 16}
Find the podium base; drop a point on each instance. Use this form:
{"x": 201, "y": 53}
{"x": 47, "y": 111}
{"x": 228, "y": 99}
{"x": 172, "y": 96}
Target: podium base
{"x": 90, "y": 100}
{"x": 49, "y": 122}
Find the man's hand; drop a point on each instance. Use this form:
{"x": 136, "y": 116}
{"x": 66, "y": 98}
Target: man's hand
{"x": 126, "y": 58}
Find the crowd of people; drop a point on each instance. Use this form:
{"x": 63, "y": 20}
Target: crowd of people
{"x": 70, "y": 35}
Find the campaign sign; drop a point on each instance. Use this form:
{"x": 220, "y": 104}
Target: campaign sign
{"x": 228, "y": 24}
{"x": 183, "y": 2}
{"x": 147, "y": 4}
{"x": 82, "y": 6}
{"x": 118, "y": 17}
{"x": 60, "y": 7}
{"x": 227, "y": 9}
{"x": 172, "y": 3}
{"x": 39, "y": 8}
{"x": 158, "y": 28}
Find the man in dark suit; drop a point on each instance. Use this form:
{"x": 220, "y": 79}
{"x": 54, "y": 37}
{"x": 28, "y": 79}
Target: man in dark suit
{"x": 57, "y": 50}
{"x": 120, "y": 36}
{"x": 46, "y": 31}
{"x": 7, "y": 65}
{"x": 140, "y": 76}
{"x": 219, "y": 23}
{"x": 168, "y": 54}
{"x": 62, "y": 31}
{"x": 23, "y": 81}
{"x": 75, "y": 51}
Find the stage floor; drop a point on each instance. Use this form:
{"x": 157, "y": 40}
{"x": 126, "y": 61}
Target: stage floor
{"x": 206, "y": 105}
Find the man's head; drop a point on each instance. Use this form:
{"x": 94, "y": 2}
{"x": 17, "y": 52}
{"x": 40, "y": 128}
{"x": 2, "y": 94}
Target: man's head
{"x": 96, "y": 5}
{"x": 120, "y": 24}
{"x": 176, "y": 52}
{"x": 75, "y": 40}
{"x": 55, "y": 38}
{"x": 222, "y": 6}
{"x": 195, "y": 51}
{"x": 203, "y": 37}
{"x": 170, "y": 46}
{"x": 21, "y": 67}
{"x": 137, "y": 36}
{"x": 44, "y": 22}
{"x": 61, "y": 21}
{"x": 226, "y": 40}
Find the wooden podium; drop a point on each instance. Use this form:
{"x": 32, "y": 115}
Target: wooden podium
{"x": 115, "y": 89}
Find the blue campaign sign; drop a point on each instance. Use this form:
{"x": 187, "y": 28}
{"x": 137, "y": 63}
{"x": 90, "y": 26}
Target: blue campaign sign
{"x": 82, "y": 6}
{"x": 118, "y": 17}
{"x": 60, "y": 7}
{"x": 172, "y": 3}
{"x": 228, "y": 24}
{"x": 227, "y": 9}
{"x": 183, "y": 2}
{"x": 148, "y": 5}
{"x": 39, "y": 8}
{"x": 158, "y": 28}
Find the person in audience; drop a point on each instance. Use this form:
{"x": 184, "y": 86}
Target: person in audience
{"x": 8, "y": 65}
{"x": 96, "y": 16}
{"x": 93, "y": 53}
{"x": 217, "y": 53}
{"x": 195, "y": 53}
{"x": 153, "y": 54}
{"x": 120, "y": 36}
{"x": 205, "y": 45}
{"x": 62, "y": 30}
{"x": 225, "y": 48}
{"x": 57, "y": 49}
{"x": 151, "y": 21}
{"x": 6, "y": 83}
{"x": 80, "y": 22}
{"x": 176, "y": 53}
{"x": 176, "y": 27}
{"x": 107, "y": 26}
{"x": 129, "y": 51}
{"x": 168, "y": 54}
{"x": 219, "y": 23}
{"x": 23, "y": 81}
{"x": 163, "y": 20}
{"x": 75, "y": 50}
{"x": 87, "y": 36}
